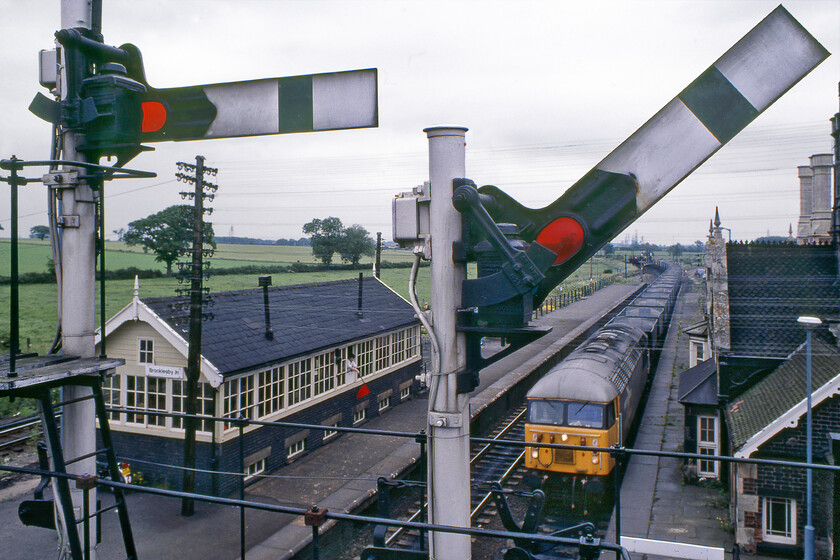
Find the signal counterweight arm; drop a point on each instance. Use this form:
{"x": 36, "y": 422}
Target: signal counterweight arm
{"x": 739, "y": 86}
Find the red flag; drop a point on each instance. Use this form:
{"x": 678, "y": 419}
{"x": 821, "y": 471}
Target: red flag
{"x": 363, "y": 391}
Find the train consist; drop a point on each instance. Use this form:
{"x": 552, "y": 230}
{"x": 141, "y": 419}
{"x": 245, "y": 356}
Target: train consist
{"x": 591, "y": 398}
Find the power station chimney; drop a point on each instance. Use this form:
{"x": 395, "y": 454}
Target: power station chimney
{"x": 803, "y": 229}
{"x": 822, "y": 166}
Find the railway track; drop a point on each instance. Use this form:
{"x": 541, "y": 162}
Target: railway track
{"x": 17, "y": 432}
{"x": 489, "y": 464}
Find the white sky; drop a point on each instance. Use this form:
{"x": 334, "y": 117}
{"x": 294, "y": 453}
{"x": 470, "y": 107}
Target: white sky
{"x": 547, "y": 89}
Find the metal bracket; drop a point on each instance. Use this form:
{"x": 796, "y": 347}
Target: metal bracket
{"x": 521, "y": 270}
{"x": 517, "y": 337}
{"x": 68, "y": 221}
{"x": 444, "y": 419}
{"x": 61, "y": 179}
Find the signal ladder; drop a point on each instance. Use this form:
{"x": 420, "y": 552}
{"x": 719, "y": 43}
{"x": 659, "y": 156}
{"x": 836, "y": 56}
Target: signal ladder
{"x": 35, "y": 377}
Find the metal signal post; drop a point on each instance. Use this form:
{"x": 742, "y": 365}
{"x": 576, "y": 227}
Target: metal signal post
{"x": 449, "y": 453}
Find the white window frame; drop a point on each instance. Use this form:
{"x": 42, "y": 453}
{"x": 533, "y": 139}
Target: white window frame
{"x": 161, "y": 398}
{"x": 145, "y": 355}
{"x": 271, "y": 385}
{"x": 204, "y": 403}
{"x": 298, "y": 382}
{"x": 708, "y": 447}
{"x": 296, "y": 448}
{"x": 254, "y": 468}
{"x": 112, "y": 395}
{"x": 699, "y": 352}
{"x": 239, "y": 399}
{"x": 135, "y": 418}
{"x": 770, "y": 535}
{"x": 323, "y": 373}
{"x": 384, "y": 403}
{"x": 383, "y": 352}
{"x": 359, "y": 416}
{"x": 405, "y": 392}
{"x": 365, "y": 357}
{"x": 329, "y": 434}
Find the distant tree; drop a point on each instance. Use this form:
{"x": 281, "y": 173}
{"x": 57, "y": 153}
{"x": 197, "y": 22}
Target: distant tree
{"x": 699, "y": 246}
{"x": 39, "y": 232}
{"x": 167, "y": 233}
{"x": 675, "y": 250}
{"x": 355, "y": 243}
{"x": 325, "y": 237}
{"x": 609, "y": 249}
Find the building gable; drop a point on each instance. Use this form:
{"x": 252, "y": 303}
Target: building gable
{"x": 779, "y": 400}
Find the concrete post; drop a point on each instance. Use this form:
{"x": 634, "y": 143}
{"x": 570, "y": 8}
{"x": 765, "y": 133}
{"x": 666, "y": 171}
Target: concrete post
{"x": 78, "y": 252}
{"x": 449, "y": 469}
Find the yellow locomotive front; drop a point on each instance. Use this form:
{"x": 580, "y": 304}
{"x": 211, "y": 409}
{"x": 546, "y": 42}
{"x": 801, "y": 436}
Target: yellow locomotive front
{"x": 574, "y": 423}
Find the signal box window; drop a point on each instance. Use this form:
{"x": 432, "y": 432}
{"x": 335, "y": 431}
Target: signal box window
{"x": 145, "y": 351}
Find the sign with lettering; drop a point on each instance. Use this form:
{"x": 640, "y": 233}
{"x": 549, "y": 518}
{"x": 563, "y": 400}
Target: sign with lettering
{"x": 165, "y": 372}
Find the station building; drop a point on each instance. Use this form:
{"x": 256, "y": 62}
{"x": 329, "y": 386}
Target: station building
{"x": 284, "y": 360}
{"x": 747, "y": 398}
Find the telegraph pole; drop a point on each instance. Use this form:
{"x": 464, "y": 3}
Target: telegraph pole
{"x": 196, "y": 292}
{"x": 449, "y": 457}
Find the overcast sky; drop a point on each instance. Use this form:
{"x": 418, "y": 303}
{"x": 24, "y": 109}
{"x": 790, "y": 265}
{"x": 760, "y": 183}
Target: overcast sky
{"x": 546, "y": 88}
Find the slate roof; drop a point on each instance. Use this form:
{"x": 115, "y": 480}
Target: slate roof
{"x": 781, "y": 390}
{"x": 770, "y": 285}
{"x": 698, "y": 385}
{"x": 305, "y": 318}
{"x": 697, "y": 329}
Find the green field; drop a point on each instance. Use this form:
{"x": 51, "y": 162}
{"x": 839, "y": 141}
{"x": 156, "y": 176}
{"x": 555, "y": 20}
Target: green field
{"x": 35, "y": 256}
{"x": 38, "y": 301}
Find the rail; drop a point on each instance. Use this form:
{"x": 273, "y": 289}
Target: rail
{"x": 620, "y": 453}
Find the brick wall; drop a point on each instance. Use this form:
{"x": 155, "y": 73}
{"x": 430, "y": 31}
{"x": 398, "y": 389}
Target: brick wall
{"x": 786, "y": 482}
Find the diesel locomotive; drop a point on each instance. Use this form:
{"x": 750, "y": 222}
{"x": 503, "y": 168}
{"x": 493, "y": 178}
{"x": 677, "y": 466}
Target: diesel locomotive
{"x": 593, "y": 396}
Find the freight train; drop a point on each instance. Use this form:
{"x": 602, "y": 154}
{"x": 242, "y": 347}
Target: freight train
{"x": 592, "y": 397}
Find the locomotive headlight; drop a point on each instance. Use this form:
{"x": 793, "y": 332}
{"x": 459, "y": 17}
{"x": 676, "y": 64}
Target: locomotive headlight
{"x": 596, "y": 458}
{"x": 535, "y": 454}
{"x": 564, "y": 437}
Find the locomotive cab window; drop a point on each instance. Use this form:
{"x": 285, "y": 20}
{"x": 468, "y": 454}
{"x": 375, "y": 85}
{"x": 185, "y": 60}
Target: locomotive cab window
{"x": 546, "y": 412}
{"x": 586, "y": 415}
{"x": 571, "y": 413}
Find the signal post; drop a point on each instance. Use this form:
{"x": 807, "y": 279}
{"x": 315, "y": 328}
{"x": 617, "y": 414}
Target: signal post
{"x": 449, "y": 453}
{"x": 78, "y": 307}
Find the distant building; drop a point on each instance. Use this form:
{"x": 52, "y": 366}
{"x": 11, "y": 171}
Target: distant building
{"x": 297, "y": 375}
{"x": 815, "y": 200}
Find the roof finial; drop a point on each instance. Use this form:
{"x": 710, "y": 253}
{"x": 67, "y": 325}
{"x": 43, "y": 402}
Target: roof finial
{"x": 711, "y": 228}
{"x": 136, "y": 287}
{"x": 717, "y": 217}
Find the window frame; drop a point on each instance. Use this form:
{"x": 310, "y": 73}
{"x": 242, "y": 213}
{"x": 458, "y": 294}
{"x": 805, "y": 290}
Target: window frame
{"x": 145, "y": 355}
{"x": 771, "y": 535}
{"x": 359, "y": 416}
{"x": 707, "y": 446}
{"x": 254, "y": 469}
{"x": 292, "y": 450}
